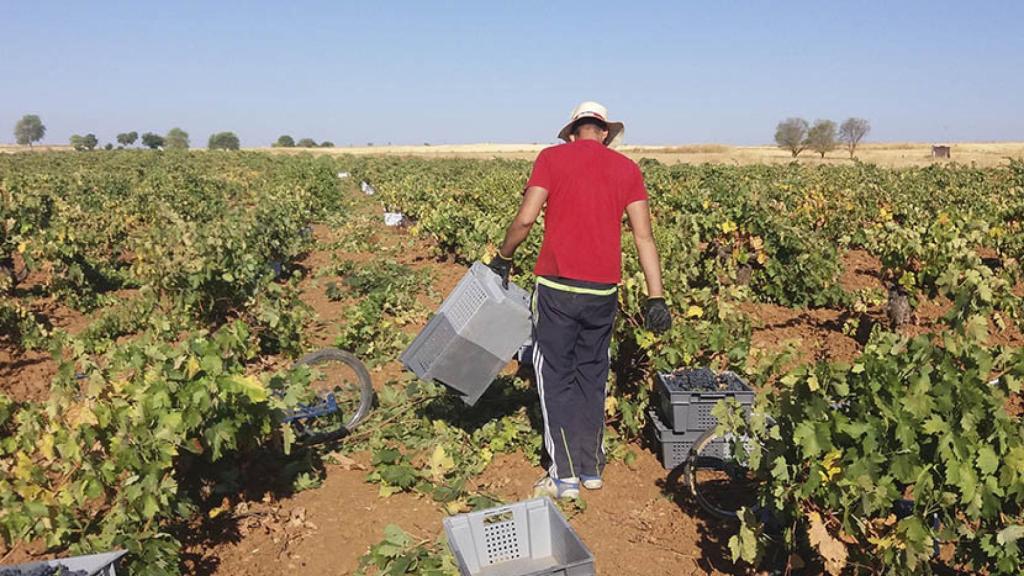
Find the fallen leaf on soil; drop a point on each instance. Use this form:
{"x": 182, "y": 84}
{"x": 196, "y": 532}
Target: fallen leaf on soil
{"x": 344, "y": 461}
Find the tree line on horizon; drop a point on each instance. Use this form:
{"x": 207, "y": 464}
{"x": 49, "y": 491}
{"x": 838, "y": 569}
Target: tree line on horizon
{"x": 286, "y": 141}
{"x": 797, "y": 135}
{"x": 30, "y": 129}
{"x": 792, "y": 134}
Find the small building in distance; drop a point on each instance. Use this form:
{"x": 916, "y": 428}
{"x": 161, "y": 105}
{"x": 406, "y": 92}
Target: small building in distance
{"x": 940, "y": 151}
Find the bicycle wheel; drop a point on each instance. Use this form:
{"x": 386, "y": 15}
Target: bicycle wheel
{"x": 719, "y": 483}
{"x": 10, "y": 273}
{"x": 339, "y": 374}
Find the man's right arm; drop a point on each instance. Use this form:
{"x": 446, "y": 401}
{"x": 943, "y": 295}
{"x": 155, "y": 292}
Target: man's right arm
{"x": 519, "y": 229}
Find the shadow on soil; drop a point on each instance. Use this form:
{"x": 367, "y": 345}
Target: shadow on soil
{"x": 245, "y": 477}
{"x": 506, "y": 396}
{"x": 714, "y": 534}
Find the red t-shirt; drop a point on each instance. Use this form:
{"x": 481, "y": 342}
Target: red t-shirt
{"x": 589, "y": 186}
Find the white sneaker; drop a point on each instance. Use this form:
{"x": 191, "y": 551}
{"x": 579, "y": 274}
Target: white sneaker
{"x": 592, "y": 482}
{"x": 557, "y": 487}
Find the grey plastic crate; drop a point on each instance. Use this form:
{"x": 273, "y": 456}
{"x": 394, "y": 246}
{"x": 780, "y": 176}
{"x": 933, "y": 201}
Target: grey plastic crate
{"x": 529, "y": 538}
{"x": 674, "y": 447}
{"x": 103, "y": 564}
{"x": 685, "y": 410}
{"x": 476, "y": 331}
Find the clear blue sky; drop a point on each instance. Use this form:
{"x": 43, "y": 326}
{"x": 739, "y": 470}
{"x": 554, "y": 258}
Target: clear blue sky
{"x": 455, "y": 72}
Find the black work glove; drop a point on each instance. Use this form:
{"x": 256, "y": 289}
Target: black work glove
{"x": 502, "y": 267}
{"x": 656, "y": 315}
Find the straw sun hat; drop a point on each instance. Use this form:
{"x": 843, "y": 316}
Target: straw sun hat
{"x": 593, "y": 110}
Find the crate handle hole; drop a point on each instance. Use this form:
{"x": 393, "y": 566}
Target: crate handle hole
{"x": 498, "y": 517}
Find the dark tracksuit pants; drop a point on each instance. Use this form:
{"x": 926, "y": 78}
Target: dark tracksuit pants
{"x": 572, "y": 333}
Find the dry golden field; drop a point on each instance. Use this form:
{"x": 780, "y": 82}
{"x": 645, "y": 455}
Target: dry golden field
{"x": 884, "y": 154}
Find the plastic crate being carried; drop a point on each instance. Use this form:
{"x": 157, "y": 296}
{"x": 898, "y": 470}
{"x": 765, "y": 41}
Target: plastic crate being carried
{"x": 674, "y": 447}
{"x": 529, "y": 538}
{"x": 687, "y": 396}
{"x": 476, "y": 331}
{"x": 103, "y": 564}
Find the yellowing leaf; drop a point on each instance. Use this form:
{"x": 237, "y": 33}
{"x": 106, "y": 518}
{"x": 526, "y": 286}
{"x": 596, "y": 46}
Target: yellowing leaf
{"x": 24, "y": 467}
{"x": 191, "y": 367}
{"x": 486, "y": 455}
{"x": 611, "y": 405}
{"x": 29, "y": 491}
{"x": 225, "y": 506}
{"x": 490, "y": 251}
{"x": 728, "y": 226}
{"x": 694, "y": 312}
{"x": 828, "y": 464}
{"x": 812, "y": 383}
{"x": 832, "y": 550}
{"x": 250, "y": 386}
{"x": 455, "y": 507}
{"x": 440, "y": 463}
{"x": 80, "y": 415}
{"x": 46, "y": 446}
{"x": 756, "y": 242}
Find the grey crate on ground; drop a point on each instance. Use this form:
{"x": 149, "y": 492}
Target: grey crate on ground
{"x": 674, "y": 447}
{"x": 690, "y": 410}
{"x": 103, "y": 564}
{"x": 476, "y": 331}
{"x": 529, "y": 538}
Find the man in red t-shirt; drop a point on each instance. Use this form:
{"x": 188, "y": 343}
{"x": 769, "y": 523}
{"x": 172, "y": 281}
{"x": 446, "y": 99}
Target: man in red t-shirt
{"x": 584, "y": 188}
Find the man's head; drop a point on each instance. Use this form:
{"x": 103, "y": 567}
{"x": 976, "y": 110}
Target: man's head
{"x": 589, "y": 129}
{"x": 589, "y": 121}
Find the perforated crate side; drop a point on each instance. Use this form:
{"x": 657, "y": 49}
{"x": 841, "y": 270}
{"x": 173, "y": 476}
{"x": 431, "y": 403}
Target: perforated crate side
{"x": 501, "y": 541}
{"x": 428, "y": 346}
{"x": 674, "y": 447}
{"x": 691, "y": 411}
{"x": 529, "y": 538}
{"x": 464, "y": 302}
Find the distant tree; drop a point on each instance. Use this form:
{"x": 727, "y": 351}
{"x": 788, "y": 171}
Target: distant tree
{"x": 306, "y": 143}
{"x": 109, "y": 146}
{"x": 87, "y": 142}
{"x": 284, "y": 141}
{"x": 152, "y": 141}
{"x": 327, "y": 144}
{"x": 791, "y": 134}
{"x": 223, "y": 141}
{"x": 28, "y": 130}
{"x": 127, "y": 138}
{"x": 852, "y": 131}
{"x": 176, "y": 139}
{"x": 822, "y": 137}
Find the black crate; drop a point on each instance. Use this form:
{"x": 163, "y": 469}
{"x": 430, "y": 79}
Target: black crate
{"x": 674, "y": 447}
{"x": 686, "y": 409}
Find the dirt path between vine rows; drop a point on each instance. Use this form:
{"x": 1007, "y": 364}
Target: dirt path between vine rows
{"x": 632, "y": 526}
{"x": 635, "y": 526}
